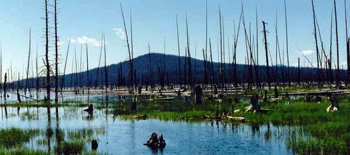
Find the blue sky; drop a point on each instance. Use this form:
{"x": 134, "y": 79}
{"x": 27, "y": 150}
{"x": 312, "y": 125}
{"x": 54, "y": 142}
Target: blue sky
{"x": 154, "y": 21}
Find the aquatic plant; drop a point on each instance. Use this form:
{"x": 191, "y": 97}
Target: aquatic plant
{"x": 15, "y": 137}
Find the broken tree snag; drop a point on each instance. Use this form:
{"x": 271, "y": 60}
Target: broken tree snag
{"x": 334, "y": 104}
{"x": 5, "y": 86}
{"x": 254, "y": 104}
{"x": 267, "y": 57}
{"x": 154, "y": 142}
{"x": 199, "y": 92}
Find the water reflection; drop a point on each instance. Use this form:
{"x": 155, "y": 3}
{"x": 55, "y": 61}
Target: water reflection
{"x": 74, "y": 127}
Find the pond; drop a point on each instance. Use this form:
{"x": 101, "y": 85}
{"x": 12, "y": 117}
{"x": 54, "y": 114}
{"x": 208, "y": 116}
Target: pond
{"x": 56, "y": 125}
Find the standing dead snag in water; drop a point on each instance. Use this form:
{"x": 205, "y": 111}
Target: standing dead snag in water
{"x": 56, "y": 55}
{"x": 267, "y": 57}
{"x": 5, "y": 86}
{"x": 26, "y": 86}
{"x": 47, "y": 52}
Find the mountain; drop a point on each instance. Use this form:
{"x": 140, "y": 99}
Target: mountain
{"x": 141, "y": 67}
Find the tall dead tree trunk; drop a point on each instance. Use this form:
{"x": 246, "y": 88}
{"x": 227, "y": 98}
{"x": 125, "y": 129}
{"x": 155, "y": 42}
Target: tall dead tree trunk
{"x": 127, "y": 41}
{"x": 329, "y": 61}
{"x": 189, "y": 58}
{"x": 178, "y": 48}
{"x": 65, "y": 66}
{"x": 48, "y": 86}
{"x": 267, "y": 57}
{"x": 150, "y": 66}
{"x": 206, "y": 43}
{"x": 317, "y": 51}
{"x": 87, "y": 69}
{"x": 56, "y": 54}
{"x": 5, "y": 86}
{"x": 347, "y": 47}
{"x": 26, "y": 87}
{"x": 106, "y": 69}
{"x": 336, "y": 36}
{"x": 257, "y": 71}
{"x": 285, "y": 13}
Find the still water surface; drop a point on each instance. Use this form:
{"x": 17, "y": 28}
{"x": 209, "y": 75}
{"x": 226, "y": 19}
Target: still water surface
{"x": 127, "y": 136}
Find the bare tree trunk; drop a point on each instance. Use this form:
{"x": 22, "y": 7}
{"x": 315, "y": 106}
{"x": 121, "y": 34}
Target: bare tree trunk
{"x": 106, "y": 69}
{"x": 47, "y": 52}
{"x": 5, "y": 86}
{"x": 189, "y": 58}
{"x": 87, "y": 69}
{"x": 257, "y": 52}
{"x": 127, "y": 41}
{"x": 56, "y": 49}
{"x": 267, "y": 58}
{"x": 347, "y": 47}
{"x": 317, "y": 51}
{"x": 178, "y": 48}
{"x": 65, "y": 66}
{"x": 329, "y": 61}
{"x": 26, "y": 87}
{"x": 336, "y": 35}
{"x": 150, "y": 66}
{"x": 299, "y": 71}
{"x": 285, "y": 13}
{"x": 206, "y": 43}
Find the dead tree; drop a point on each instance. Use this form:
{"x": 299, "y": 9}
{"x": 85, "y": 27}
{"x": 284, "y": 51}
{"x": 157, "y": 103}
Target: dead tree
{"x": 65, "y": 66}
{"x": 87, "y": 69}
{"x": 337, "y": 42}
{"x": 127, "y": 41}
{"x": 189, "y": 58}
{"x": 329, "y": 61}
{"x": 317, "y": 51}
{"x": 285, "y": 13}
{"x": 26, "y": 87}
{"x": 347, "y": 47}
{"x": 5, "y": 86}
{"x": 56, "y": 54}
{"x": 106, "y": 69}
{"x": 267, "y": 57}
{"x": 178, "y": 48}
{"x": 48, "y": 86}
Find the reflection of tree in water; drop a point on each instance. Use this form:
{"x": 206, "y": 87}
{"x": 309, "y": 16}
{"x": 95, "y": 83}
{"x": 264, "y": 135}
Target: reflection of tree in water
{"x": 268, "y": 132}
{"x": 255, "y": 128}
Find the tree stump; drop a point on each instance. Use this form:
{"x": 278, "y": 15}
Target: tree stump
{"x": 254, "y": 104}
{"x": 140, "y": 90}
{"x": 94, "y": 144}
{"x": 199, "y": 92}
{"x": 154, "y": 142}
{"x": 334, "y": 104}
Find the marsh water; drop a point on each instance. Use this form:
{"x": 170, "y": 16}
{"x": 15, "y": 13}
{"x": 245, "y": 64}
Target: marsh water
{"x": 116, "y": 136}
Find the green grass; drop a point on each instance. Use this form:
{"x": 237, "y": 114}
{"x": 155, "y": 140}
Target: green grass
{"x": 14, "y": 137}
{"x": 23, "y": 151}
{"x": 73, "y": 147}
